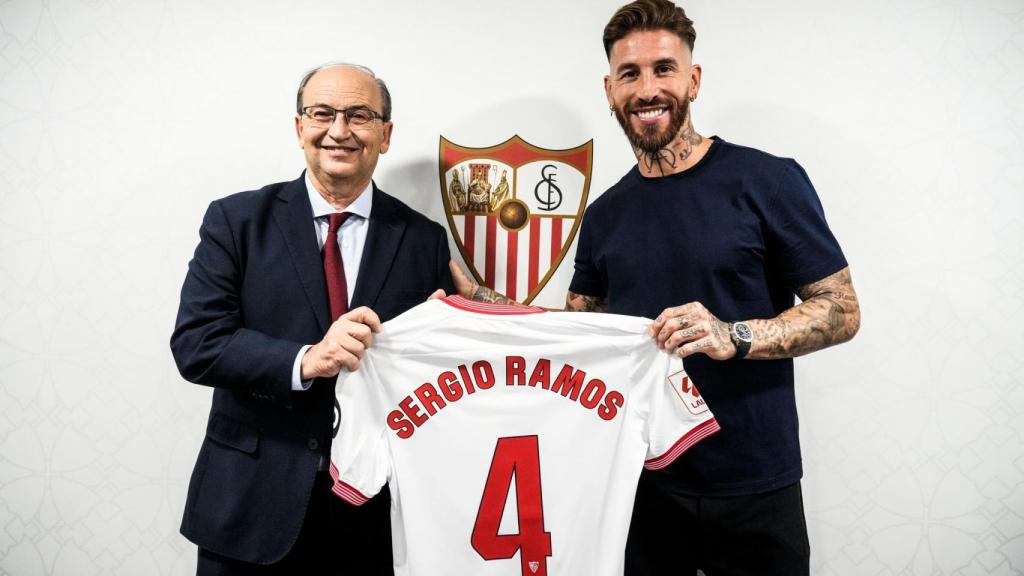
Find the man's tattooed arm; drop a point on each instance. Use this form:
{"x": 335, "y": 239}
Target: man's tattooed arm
{"x": 828, "y": 315}
{"x": 468, "y": 288}
{"x": 485, "y": 294}
{"x": 579, "y": 303}
{"x": 573, "y": 302}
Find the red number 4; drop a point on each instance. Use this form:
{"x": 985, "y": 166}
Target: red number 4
{"x": 519, "y": 456}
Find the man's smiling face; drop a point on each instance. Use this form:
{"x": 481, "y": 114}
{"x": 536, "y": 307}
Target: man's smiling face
{"x": 342, "y": 154}
{"x": 649, "y": 86}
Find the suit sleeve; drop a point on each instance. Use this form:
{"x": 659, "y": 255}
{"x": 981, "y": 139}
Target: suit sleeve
{"x": 678, "y": 418}
{"x": 210, "y": 343}
{"x": 360, "y": 462}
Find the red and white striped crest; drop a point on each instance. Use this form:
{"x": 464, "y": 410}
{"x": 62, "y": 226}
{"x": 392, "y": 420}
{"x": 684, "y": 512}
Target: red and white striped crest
{"x": 514, "y": 209}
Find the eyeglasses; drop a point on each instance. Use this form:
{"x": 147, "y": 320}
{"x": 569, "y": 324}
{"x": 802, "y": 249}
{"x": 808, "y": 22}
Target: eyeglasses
{"x": 322, "y": 116}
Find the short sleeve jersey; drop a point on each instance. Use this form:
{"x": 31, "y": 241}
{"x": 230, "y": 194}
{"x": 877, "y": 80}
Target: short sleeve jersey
{"x": 739, "y": 232}
{"x": 511, "y": 438}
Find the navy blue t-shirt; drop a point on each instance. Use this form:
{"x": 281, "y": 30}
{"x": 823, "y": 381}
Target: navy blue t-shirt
{"x": 738, "y": 232}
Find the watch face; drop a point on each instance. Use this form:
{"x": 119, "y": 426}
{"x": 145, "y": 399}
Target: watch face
{"x": 743, "y": 331}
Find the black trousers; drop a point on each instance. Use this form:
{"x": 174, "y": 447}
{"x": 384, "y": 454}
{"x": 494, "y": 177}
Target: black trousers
{"x": 336, "y": 539}
{"x": 762, "y": 534}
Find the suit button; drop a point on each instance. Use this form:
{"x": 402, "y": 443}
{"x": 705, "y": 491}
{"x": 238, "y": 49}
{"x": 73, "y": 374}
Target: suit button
{"x": 313, "y": 444}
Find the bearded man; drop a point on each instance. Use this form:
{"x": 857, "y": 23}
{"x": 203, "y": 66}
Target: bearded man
{"x": 713, "y": 240}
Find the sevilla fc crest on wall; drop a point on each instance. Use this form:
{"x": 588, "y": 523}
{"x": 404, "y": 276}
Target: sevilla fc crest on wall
{"x": 514, "y": 209}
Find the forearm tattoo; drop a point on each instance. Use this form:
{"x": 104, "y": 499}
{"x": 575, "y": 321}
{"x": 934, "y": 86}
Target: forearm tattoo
{"x": 579, "y": 303}
{"x": 829, "y": 314}
{"x": 485, "y": 294}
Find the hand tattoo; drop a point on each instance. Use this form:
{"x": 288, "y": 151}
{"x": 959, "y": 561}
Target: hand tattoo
{"x": 689, "y": 333}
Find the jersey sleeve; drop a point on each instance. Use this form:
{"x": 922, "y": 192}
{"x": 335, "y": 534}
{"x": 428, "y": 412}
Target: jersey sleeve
{"x": 676, "y": 415}
{"x": 360, "y": 463}
{"x": 800, "y": 242}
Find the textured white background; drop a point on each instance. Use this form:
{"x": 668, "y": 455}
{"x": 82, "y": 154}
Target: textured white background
{"x": 121, "y": 120}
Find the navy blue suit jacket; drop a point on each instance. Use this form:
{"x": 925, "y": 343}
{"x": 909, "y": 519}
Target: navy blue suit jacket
{"x": 253, "y": 296}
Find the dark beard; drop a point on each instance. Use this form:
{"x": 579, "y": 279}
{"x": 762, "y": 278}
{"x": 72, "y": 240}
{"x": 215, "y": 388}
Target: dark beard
{"x": 649, "y": 140}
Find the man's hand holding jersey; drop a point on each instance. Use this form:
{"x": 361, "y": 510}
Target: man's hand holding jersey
{"x": 343, "y": 345}
{"x": 691, "y": 328}
{"x": 684, "y": 330}
{"x": 828, "y": 314}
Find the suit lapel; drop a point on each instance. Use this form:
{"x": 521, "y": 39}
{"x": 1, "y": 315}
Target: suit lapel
{"x": 294, "y": 216}
{"x": 382, "y": 241}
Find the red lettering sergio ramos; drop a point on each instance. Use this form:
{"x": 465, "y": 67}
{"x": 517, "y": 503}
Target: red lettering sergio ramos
{"x": 451, "y": 386}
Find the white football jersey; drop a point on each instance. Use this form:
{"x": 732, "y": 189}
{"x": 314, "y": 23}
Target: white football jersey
{"x": 512, "y": 437}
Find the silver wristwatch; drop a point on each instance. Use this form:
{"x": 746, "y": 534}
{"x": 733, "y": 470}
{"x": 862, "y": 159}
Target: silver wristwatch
{"x": 741, "y": 336}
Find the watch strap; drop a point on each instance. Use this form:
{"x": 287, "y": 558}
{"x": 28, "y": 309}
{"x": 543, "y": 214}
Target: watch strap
{"x": 742, "y": 346}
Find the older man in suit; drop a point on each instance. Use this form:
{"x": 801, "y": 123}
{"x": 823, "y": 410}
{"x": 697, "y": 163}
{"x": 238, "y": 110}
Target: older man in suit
{"x": 287, "y": 285}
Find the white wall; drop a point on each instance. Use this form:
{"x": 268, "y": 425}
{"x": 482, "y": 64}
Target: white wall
{"x": 120, "y": 121}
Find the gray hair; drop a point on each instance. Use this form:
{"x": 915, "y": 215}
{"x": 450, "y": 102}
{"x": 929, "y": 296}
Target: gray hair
{"x": 385, "y": 94}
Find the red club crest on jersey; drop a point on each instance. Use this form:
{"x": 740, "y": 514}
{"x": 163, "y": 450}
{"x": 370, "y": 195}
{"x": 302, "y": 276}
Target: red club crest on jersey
{"x": 514, "y": 209}
{"x": 687, "y": 392}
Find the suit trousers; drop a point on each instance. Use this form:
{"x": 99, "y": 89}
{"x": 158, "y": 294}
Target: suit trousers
{"x": 336, "y": 539}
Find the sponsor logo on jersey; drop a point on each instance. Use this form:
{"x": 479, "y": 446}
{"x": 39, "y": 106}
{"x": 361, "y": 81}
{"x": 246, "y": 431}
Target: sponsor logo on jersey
{"x": 534, "y": 566}
{"x": 514, "y": 209}
{"x": 687, "y": 393}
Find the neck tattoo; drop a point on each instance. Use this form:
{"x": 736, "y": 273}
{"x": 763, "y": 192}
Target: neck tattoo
{"x": 688, "y": 140}
{"x": 660, "y": 158}
{"x": 668, "y": 159}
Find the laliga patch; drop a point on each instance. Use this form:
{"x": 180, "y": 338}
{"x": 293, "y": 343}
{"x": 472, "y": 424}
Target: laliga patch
{"x": 687, "y": 393}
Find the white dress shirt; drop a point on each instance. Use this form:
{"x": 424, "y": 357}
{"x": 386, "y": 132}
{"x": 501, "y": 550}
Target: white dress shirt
{"x": 351, "y": 239}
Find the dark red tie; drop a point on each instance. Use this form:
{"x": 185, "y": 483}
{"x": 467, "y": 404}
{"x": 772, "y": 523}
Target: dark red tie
{"x": 334, "y": 267}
